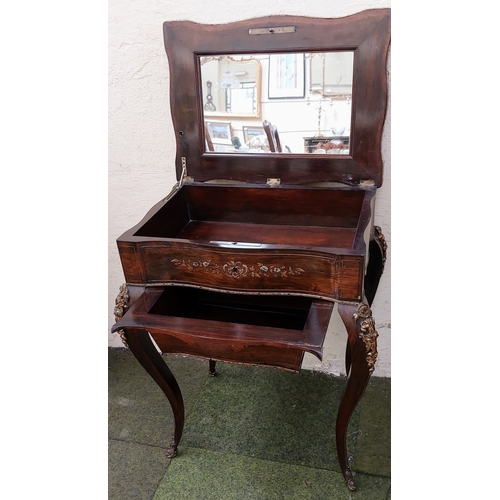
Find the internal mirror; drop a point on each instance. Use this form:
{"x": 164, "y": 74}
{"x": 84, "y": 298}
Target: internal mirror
{"x": 296, "y": 103}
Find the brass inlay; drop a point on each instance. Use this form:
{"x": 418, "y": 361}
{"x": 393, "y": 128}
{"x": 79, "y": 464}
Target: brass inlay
{"x": 236, "y": 269}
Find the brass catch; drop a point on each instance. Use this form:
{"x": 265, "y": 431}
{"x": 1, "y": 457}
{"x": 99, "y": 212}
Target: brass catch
{"x": 273, "y": 182}
{"x": 272, "y": 31}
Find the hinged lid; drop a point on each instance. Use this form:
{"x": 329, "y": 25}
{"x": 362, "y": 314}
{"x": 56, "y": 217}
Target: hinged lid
{"x": 227, "y": 82}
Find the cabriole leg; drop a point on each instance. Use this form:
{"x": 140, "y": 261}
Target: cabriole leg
{"x": 347, "y": 358}
{"x": 362, "y": 340}
{"x": 143, "y": 349}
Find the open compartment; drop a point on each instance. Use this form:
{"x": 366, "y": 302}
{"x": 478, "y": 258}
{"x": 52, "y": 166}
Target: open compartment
{"x": 248, "y": 238}
{"x": 259, "y": 329}
{"x": 259, "y": 215}
{"x": 289, "y": 313}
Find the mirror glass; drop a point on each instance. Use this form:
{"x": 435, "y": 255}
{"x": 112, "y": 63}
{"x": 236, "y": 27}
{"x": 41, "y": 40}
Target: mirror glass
{"x": 296, "y": 103}
{"x": 231, "y": 86}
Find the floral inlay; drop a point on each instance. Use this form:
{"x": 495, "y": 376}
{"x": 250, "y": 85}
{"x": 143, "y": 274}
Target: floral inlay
{"x": 196, "y": 265}
{"x": 236, "y": 269}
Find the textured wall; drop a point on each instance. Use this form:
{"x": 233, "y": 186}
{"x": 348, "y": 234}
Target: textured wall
{"x": 142, "y": 142}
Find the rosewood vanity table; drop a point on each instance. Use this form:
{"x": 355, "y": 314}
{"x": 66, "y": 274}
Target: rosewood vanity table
{"x": 244, "y": 260}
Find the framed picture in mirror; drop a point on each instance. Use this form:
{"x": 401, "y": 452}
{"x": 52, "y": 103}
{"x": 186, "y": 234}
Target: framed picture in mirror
{"x": 251, "y": 132}
{"x": 220, "y": 132}
{"x": 242, "y": 101}
{"x": 286, "y": 76}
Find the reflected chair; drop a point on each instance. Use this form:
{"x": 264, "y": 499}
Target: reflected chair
{"x": 208, "y": 139}
{"x": 272, "y": 136}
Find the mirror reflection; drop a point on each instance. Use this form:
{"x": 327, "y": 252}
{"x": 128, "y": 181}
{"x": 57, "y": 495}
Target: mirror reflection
{"x": 296, "y": 103}
{"x": 231, "y": 86}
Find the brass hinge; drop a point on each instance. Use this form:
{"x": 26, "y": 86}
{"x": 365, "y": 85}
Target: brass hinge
{"x": 184, "y": 170}
{"x": 184, "y": 176}
{"x": 273, "y": 182}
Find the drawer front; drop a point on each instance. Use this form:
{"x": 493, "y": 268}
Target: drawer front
{"x": 131, "y": 262}
{"x": 232, "y": 351}
{"x": 335, "y": 277}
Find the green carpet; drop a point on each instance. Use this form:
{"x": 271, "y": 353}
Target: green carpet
{"x": 269, "y": 414}
{"x": 223, "y": 476}
{"x": 250, "y": 433}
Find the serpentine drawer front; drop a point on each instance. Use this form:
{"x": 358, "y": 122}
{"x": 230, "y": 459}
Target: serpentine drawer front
{"x": 254, "y": 271}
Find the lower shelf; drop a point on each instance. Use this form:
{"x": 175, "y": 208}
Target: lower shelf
{"x": 257, "y": 329}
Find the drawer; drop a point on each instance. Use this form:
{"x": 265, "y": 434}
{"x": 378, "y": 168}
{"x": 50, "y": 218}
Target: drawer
{"x": 254, "y": 270}
{"x": 254, "y": 329}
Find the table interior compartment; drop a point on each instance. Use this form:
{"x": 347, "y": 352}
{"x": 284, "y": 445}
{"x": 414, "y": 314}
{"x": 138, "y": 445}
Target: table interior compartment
{"x": 284, "y": 312}
{"x": 259, "y": 215}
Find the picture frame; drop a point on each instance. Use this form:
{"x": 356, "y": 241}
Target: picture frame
{"x": 249, "y": 132}
{"x": 243, "y": 101}
{"x": 286, "y": 76}
{"x": 220, "y": 132}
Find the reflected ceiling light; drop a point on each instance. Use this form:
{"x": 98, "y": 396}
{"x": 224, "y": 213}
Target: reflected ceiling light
{"x": 229, "y": 81}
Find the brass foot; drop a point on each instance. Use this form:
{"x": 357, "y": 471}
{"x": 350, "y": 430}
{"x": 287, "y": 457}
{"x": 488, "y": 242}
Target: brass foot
{"x": 172, "y": 451}
{"x": 349, "y": 480}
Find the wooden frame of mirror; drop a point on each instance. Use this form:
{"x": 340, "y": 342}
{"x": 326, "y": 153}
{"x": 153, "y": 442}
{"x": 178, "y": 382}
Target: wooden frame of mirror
{"x": 366, "y": 33}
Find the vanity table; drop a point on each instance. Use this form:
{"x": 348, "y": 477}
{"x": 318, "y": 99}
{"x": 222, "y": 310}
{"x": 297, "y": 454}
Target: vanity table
{"x": 246, "y": 257}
